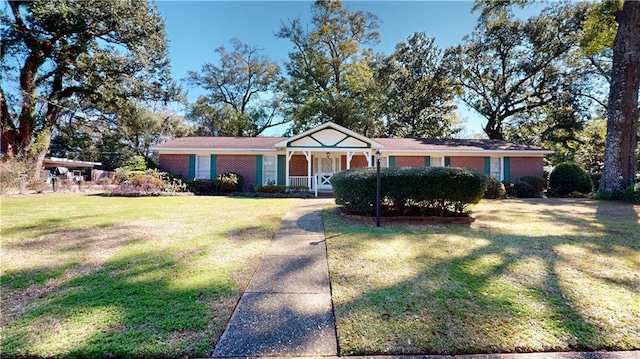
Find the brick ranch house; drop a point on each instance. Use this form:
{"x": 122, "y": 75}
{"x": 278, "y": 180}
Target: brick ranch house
{"x": 312, "y": 157}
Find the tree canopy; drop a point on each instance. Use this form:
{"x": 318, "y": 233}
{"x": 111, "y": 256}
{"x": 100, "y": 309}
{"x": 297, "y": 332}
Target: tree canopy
{"x": 86, "y": 79}
{"x": 419, "y": 90}
{"x": 512, "y": 69}
{"x": 233, "y": 106}
{"x": 328, "y": 59}
{"x": 59, "y": 56}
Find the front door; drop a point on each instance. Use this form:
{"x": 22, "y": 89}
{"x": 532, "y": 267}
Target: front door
{"x": 324, "y": 168}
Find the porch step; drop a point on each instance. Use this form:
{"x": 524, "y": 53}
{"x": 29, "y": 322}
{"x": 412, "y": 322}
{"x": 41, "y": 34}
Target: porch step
{"x": 325, "y": 194}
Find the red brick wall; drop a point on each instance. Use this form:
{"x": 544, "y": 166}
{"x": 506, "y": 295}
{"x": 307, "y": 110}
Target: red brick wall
{"x": 526, "y": 166}
{"x": 475, "y": 163}
{"x": 242, "y": 164}
{"x": 409, "y": 161}
{"x": 356, "y": 161}
{"x": 298, "y": 165}
{"x": 175, "y": 164}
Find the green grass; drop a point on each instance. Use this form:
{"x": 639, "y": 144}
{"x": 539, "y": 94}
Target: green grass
{"x": 527, "y": 276}
{"x": 92, "y": 276}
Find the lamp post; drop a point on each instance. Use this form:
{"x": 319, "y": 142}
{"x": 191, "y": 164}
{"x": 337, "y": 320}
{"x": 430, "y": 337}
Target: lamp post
{"x": 378, "y": 188}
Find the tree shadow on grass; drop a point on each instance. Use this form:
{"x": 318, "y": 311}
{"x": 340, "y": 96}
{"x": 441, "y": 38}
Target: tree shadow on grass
{"x": 505, "y": 292}
{"x": 132, "y": 306}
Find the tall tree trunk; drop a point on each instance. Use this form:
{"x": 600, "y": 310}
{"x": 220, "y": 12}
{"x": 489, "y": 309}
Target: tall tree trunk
{"x": 622, "y": 121}
{"x": 43, "y": 142}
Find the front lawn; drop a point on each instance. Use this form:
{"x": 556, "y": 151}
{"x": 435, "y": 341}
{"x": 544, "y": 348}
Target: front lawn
{"x": 527, "y": 276}
{"x": 92, "y": 276}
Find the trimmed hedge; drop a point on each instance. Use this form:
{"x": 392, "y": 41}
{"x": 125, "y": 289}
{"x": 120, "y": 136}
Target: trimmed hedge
{"x": 567, "y": 178}
{"x": 202, "y": 186}
{"x": 439, "y": 191}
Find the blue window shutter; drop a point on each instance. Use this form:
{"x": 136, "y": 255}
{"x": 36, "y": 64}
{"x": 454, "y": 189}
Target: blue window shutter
{"x": 392, "y": 161}
{"x": 281, "y": 171}
{"x": 487, "y": 166}
{"x": 447, "y": 161}
{"x": 214, "y": 167}
{"x": 427, "y": 161}
{"x": 258, "y": 170}
{"x": 507, "y": 168}
{"x": 192, "y": 168}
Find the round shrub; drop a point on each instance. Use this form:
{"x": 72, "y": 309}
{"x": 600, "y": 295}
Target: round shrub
{"x": 567, "y": 178}
{"x": 524, "y": 189}
{"x": 229, "y": 182}
{"x": 495, "y": 189}
{"x": 536, "y": 187}
{"x": 406, "y": 191}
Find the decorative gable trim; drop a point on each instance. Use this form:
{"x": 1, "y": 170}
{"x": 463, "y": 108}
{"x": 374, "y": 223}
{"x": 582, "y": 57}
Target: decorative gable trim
{"x": 329, "y": 135}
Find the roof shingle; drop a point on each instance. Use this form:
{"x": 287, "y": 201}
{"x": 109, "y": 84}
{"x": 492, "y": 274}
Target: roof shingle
{"x": 390, "y": 144}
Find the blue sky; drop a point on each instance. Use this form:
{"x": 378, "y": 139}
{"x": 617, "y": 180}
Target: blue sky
{"x": 196, "y": 28}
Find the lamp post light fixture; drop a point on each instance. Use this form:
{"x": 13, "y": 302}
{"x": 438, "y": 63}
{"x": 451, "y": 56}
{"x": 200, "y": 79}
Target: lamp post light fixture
{"x": 378, "y": 188}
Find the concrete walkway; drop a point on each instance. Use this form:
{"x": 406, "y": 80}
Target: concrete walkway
{"x": 286, "y": 309}
{"x": 287, "y": 312}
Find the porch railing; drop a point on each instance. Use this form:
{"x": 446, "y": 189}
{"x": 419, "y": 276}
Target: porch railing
{"x": 298, "y": 180}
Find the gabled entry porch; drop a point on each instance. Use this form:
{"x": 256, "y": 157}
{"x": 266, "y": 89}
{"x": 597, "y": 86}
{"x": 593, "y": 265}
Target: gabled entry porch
{"x": 327, "y": 149}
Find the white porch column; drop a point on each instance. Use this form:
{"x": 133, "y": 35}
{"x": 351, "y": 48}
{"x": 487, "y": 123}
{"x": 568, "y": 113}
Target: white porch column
{"x": 349, "y": 157}
{"x": 368, "y": 154}
{"x": 287, "y": 179}
{"x": 307, "y": 154}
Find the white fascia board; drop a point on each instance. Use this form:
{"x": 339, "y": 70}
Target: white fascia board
{"x": 329, "y": 149}
{"x": 214, "y": 151}
{"x": 70, "y": 162}
{"x": 337, "y": 127}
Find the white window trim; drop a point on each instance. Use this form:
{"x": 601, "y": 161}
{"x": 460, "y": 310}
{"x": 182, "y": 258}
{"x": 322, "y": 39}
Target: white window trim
{"x": 439, "y": 157}
{"x": 200, "y": 170}
{"x": 274, "y": 169}
{"x": 501, "y": 176}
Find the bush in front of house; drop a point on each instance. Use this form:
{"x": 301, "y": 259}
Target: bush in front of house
{"x": 149, "y": 183}
{"x": 271, "y": 188}
{"x": 569, "y": 178}
{"x": 202, "y": 186}
{"x": 495, "y": 189}
{"x": 510, "y": 188}
{"x": 229, "y": 182}
{"x": 523, "y": 189}
{"x": 530, "y": 187}
{"x": 423, "y": 191}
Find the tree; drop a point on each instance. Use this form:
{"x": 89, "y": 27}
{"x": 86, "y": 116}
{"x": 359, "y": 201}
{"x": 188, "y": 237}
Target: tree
{"x": 590, "y": 154}
{"x": 420, "y": 90}
{"x": 235, "y": 86}
{"x": 324, "y": 67}
{"x": 100, "y": 54}
{"x": 113, "y": 139}
{"x": 511, "y": 68}
{"x": 622, "y": 122}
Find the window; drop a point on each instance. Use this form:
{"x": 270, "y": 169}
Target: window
{"x": 269, "y": 169}
{"x": 496, "y": 168}
{"x": 203, "y": 167}
{"x": 437, "y": 161}
{"x": 384, "y": 162}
